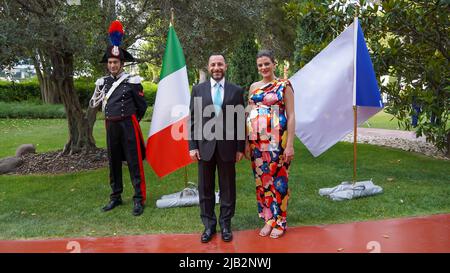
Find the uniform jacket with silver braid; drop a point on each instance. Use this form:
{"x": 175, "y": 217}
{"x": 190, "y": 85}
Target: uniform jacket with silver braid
{"x": 126, "y": 100}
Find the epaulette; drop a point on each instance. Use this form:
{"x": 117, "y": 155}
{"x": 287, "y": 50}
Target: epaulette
{"x": 135, "y": 79}
{"x": 101, "y": 81}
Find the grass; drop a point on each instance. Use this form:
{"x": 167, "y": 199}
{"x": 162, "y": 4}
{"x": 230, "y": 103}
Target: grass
{"x": 382, "y": 120}
{"x": 48, "y": 206}
{"x": 46, "y": 134}
{"x": 53, "y": 133}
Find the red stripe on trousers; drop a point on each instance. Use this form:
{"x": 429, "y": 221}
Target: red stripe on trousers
{"x": 139, "y": 138}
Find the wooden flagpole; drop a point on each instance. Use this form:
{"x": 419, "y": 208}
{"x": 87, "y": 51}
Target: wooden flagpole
{"x": 355, "y": 109}
{"x": 355, "y": 139}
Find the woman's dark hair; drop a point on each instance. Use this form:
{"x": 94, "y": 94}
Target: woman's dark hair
{"x": 266, "y": 53}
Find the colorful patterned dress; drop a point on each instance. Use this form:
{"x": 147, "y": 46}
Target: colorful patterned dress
{"x": 267, "y": 136}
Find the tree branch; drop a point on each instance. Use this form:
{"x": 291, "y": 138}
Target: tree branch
{"x": 27, "y": 6}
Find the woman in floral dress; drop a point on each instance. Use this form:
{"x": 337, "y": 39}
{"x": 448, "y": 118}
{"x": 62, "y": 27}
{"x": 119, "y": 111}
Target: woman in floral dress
{"x": 270, "y": 143}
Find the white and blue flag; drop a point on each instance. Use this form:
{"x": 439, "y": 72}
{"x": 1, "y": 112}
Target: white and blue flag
{"x": 326, "y": 89}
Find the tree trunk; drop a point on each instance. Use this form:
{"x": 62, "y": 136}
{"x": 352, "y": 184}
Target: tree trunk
{"x": 203, "y": 76}
{"x": 447, "y": 153}
{"x": 91, "y": 117}
{"x": 49, "y": 94}
{"x": 155, "y": 75}
{"x": 52, "y": 96}
{"x": 80, "y": 130}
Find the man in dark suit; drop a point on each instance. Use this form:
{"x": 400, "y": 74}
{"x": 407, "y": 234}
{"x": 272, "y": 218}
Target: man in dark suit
{"x": 217, "y": 139}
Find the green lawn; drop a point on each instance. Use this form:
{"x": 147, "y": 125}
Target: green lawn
{"x": 382, "y": 120}
{"x": 52, "y": 133}
{"x": 46, "y": 134}
{"x": 45, "y": 206}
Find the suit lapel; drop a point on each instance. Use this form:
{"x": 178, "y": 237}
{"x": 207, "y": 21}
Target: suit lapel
{"x": 207, "y": 93}
{"x": 227, "y": 95}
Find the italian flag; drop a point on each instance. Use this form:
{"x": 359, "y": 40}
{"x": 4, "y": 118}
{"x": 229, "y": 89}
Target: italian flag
{"x": 167, "y": 145}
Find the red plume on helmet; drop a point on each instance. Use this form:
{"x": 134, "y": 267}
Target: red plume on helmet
{"x": 115, "y": 51}
{"x": 116, "y": 33}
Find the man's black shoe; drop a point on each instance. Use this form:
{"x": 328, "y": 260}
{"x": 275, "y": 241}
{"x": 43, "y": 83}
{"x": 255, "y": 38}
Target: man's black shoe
{"x": 112, "y": 204}
{"x": 227, "y": 235}
{"x": 207, "y": 235}
{"x": 138, "y": 209}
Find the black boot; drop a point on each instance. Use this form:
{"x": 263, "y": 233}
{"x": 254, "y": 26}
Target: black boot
{"x": 138, "y": 208}
{"x": 227, "y": 235}
{"x": 207, "y": 235}
{"x": 112, "y": 204}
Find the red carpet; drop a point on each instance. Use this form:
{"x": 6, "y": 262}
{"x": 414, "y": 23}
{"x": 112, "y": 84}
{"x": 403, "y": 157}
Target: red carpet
{"x": 418, "y": 234}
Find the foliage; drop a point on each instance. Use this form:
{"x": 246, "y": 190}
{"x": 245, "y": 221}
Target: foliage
{"x": 416, "y": 55}
{"x": 206, "y": 27}
{"x": 317, "y": 26}
{"x": 242, "y": 64}
{"x": 31, "y": 110}
{"x": 276, "y": 29}
{"x": 28, "y": 91}
{"x": 408, "y": 42}
{"x": 23, "y": 91}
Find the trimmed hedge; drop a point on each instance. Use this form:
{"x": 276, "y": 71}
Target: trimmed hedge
{"x": 45, "y": 111}
{"x": 150, "y": 92}
{"x": 29, "y": 91}
{"x": 23, "y": 91}
{"x": 31, "y": 110}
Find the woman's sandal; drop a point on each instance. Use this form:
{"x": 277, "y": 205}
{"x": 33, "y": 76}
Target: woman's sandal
{"x": 265, "y": 231}
{"x": 276, "y": 233}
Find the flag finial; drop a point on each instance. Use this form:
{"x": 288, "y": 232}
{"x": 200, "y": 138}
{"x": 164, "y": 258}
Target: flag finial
{"x": 172, "y": 15}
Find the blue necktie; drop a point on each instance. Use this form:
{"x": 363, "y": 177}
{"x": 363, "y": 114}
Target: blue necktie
{"x": 217, "y": 98}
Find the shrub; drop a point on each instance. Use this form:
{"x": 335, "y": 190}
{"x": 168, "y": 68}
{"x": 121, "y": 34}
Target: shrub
{"x": 29, "y": 91}
{"x": 31, "y": 110}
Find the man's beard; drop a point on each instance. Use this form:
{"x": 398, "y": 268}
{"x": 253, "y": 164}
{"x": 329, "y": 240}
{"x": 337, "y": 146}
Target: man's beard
{"x": 220, "y": 77}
